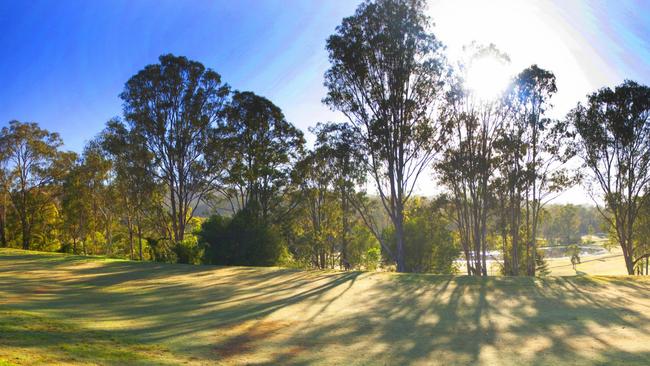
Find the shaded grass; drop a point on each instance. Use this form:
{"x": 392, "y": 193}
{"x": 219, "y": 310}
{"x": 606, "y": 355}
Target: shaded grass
{"x": 58, "y": 309}
{"x": 31, "y": 338}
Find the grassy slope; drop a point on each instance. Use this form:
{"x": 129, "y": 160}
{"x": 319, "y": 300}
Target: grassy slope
{"x": 610, "y": 264}
{"x": 57, "y": 309}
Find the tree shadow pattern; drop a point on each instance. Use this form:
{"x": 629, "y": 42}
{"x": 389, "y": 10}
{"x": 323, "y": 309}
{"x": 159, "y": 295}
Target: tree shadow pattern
{"x": 240, "y": 315}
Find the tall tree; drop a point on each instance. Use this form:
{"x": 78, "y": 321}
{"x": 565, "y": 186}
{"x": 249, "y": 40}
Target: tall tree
{"x": 262, "y": 147}
{"x": 102, "y": 191}
{"x": 31, "y": 154}
{"x": 545, "y": 150}
{"x": 134, "y": 177}
{"x": 343, "y": 154}
{"x": 531, "y": 153}
{"x": 315, "y": 181}
{"x": 614, "y": 144}
{"x": 4, "y": 200}
{"x": 386, "y": 73}
{"x": 174, "y": 105}
{"x": 468, "y": 168}
{"x": 642, "y": 240}
{"x": 75, "y": 210}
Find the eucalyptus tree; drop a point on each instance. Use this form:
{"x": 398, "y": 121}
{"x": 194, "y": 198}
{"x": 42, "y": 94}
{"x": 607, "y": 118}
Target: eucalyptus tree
{"x": 4, "y": 201}
{"x": 134, "y": 177}
{"x": 318, "y": 200}
{"x": 76, "y": 209}
{"x": 543, "y": 150}
{"x": 386, "y": 73}
{"x": 31, "y": 155}
{"x": 174, "y": 106}
{"x": 613, "y": 131}
{"x": 468, "y": 167}
{"x": 101, "y": 195}
{"x": 642, "y": 239}
{"x": 337, "y": 145}
{"x": 262, "y": 148}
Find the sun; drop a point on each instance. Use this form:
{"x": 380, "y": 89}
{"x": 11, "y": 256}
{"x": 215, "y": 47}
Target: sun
{"x": 487, "y": 77}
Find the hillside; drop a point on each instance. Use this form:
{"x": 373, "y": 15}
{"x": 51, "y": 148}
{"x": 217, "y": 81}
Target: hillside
{"x": 58, "y": 309}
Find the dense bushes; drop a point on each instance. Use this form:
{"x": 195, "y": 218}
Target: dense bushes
{"x": 243, "y": 240}
{"x": 428, "y": 239}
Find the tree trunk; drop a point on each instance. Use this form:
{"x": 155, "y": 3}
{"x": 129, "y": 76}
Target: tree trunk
{"x": 399, "y": 236}
{"x": 140, "y": 241}
{"x": 514, "y": 234}
{"x": 3, "y": 221}
{"x": 534, "y": 243}
{"x": 26, "y": 234}
{"x": 130, "y": 240}
{"x": 345, "y": 262}
{"x": 3, "y": 235}
{"x": 629, "y": 263}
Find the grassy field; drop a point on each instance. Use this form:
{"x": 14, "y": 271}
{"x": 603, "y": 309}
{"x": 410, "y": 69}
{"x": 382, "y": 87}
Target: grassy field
{"x": 57, "y": 309}
{"x": 610, "y": 264}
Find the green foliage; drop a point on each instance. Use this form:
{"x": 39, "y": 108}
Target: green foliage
{"x": 35, "y": 166}
{"x": 386, "y": 73}
{"x": 174, "y": 107}
{"x": 188, "y": 141}
{"x": 262, "y": 147}
{"x": 189, "y": 251}
{"x": 243, "y": 240}
{"x": 372, "y": 258}
{"x": 429, "y": 242}
{"x": 561, "y": 224}
{"x": 613, "y": 130}
{"x": 541, "y": 265}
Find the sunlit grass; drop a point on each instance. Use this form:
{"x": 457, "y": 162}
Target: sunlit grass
{"x": 58, "y": 309}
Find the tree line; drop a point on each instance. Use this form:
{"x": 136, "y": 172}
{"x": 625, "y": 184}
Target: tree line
{"x": 187, "y": 139}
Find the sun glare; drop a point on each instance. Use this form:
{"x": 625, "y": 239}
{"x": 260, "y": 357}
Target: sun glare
{"x": 487, "y": 77}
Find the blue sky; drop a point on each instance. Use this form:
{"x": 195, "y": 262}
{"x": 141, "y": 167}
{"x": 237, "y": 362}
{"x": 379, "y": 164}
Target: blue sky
{"x": 64, "y": 62}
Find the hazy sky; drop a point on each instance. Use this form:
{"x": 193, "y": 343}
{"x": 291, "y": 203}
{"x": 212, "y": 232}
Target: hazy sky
{"x": 64, "y": 62}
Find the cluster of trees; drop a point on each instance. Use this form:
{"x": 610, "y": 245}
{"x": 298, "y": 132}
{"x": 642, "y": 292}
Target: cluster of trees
{"x": 187, "y": 139}
{"x": 567, "y": 224}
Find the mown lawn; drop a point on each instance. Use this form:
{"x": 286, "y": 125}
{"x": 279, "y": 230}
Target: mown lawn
{"x": 58, "y": 309}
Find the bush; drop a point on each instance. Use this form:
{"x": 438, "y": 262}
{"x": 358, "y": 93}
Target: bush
{"x": 243, "y": 240}
{"x": 188, "y": 251}
{"x": 372, "y": 258}
{"x": 429, "y": 245}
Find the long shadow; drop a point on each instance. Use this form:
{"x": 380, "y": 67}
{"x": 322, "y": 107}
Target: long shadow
{"x": 371, "y": 318}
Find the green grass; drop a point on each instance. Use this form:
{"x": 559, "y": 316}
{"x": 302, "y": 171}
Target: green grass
{"x": 57, "y": 309}
{"x": 610, "y": 264}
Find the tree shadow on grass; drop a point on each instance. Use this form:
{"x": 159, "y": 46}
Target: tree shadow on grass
{"x": 487, "y": 321}
{"x": 268, "y": 316}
